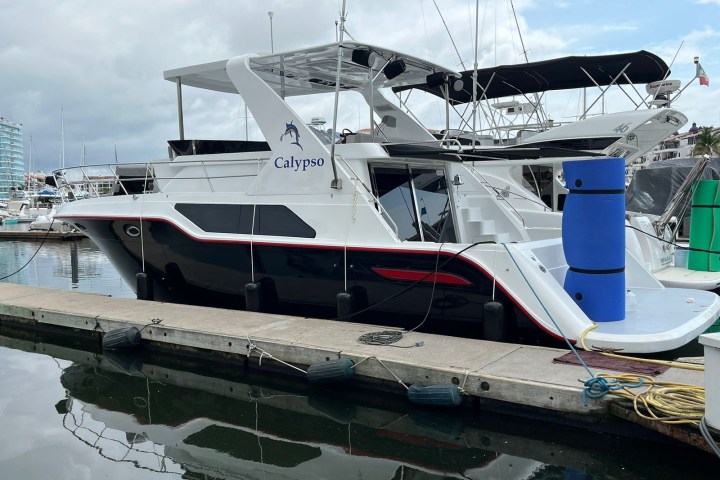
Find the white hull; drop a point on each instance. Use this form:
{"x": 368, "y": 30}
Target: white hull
{"x": 399, "y": 231}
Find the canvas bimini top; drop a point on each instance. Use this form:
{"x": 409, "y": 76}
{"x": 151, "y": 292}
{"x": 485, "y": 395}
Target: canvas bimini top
{"x": 556, "y": 74}
{"x": 314, "y": 70}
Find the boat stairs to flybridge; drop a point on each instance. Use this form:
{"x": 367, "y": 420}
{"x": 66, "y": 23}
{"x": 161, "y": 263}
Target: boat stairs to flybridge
{"x": 433, "y": 370}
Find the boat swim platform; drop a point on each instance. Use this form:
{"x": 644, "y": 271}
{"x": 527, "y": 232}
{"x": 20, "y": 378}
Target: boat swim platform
{"x": 518, "y": 378}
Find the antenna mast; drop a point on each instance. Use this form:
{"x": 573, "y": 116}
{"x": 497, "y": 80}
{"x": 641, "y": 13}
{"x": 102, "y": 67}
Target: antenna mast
{"x": 336, "y": 183}
{"x": 62, "y": 138}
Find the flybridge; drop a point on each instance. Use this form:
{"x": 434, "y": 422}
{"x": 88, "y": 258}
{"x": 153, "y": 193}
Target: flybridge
{"x": 314, "y": 70}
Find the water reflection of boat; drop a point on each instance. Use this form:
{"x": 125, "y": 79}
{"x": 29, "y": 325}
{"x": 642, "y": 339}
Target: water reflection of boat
{"x": 259, "y": 432}
{"x": 163, "y": 415}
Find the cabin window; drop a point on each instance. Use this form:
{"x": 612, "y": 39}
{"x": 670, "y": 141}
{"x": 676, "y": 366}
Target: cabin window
{"x": 275, "y": 220}
{"x": 409, "y": 193}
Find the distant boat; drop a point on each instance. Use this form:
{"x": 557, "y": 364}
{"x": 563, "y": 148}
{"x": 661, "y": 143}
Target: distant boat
{"x": 6, "y": 218}
{"x": 48, "y": 222}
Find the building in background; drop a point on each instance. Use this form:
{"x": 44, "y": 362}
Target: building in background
{"x": 12, "y": 165}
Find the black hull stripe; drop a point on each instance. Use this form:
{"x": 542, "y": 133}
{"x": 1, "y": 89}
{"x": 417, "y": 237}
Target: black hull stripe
{"x": 404, "y": 251}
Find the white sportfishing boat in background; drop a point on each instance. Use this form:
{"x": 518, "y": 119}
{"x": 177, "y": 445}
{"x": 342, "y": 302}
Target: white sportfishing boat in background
{"x": 395, "y": 226}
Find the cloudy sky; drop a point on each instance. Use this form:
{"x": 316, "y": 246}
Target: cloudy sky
{"x": 101, "y": 62}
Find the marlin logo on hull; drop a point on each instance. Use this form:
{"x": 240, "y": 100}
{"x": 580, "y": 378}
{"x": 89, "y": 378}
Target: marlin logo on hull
{"x": 292, "y": 130}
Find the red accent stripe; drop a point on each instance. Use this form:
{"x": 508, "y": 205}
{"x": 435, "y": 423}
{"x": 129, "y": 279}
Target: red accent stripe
{"x": 419, "y": 275}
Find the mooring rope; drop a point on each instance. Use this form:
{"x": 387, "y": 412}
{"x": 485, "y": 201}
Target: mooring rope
{"x": 386, "y": 368}
{"x": 34, "y": 254}
{"x": 252, "y": 347}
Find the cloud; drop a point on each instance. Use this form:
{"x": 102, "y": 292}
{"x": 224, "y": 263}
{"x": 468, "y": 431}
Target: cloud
{"x": 102, "y": 63}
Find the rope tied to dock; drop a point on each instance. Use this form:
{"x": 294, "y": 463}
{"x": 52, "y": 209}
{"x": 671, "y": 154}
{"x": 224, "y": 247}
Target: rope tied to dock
{"x": 386, "y": 368}
{"x": 251, "y": 347}
{"x": 598, "y": 387}
{"x": 664, "y": 402}
{"x": 153, "y": 321}
{"x": 675, "y": 403}
{"x": 97, "y": 324}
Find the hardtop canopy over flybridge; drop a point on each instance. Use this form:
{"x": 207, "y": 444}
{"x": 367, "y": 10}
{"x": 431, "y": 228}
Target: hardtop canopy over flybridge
{"x": 314, "y": 70}
{"x": 363, "y": 230}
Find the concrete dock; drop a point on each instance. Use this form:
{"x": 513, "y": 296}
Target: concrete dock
{"x": 518, "y": 376}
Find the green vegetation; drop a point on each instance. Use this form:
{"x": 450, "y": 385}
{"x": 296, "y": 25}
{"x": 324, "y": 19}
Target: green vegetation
{"x": 707, "y": 142}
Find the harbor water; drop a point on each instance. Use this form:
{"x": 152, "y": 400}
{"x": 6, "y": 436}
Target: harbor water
{"x": 68, "y": 411}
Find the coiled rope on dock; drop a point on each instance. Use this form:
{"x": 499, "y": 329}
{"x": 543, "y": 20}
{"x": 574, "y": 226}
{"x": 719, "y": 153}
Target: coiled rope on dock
{"x": 667, "y": 402}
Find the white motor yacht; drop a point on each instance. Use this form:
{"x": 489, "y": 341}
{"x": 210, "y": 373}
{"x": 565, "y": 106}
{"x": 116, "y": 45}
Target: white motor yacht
{"x": 393, "y": 226}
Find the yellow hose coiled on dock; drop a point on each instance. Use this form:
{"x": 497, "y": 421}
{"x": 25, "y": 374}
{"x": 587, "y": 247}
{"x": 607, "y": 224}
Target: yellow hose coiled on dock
{"x": 666, "y": 402}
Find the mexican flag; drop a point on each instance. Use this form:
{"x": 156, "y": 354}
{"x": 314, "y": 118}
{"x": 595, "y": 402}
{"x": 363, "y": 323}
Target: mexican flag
{"x": 700, "y": 73}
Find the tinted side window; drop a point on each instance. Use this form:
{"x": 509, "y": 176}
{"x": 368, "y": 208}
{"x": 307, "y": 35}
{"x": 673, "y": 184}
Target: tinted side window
{"x": 277, "y": 220}
{"x": 280, "y": 221}
{"x": 216, "y": 218}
